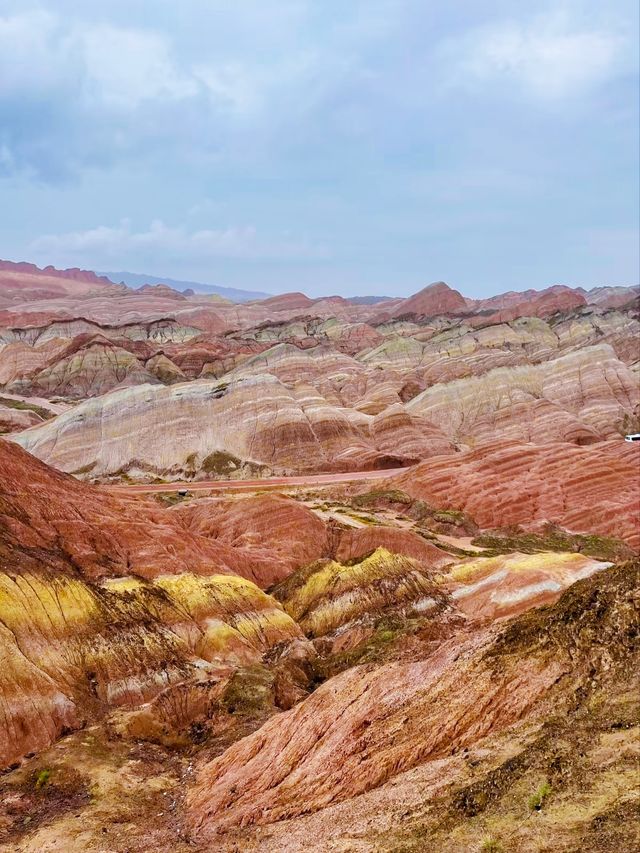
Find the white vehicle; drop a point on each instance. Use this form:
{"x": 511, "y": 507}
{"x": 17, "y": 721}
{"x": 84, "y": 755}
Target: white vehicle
{"x": 634, "y": 436}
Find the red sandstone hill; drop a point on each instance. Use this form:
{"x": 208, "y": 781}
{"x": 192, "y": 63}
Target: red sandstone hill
{"x": 107, "y": 536}
{"x": 555, "y": 300}
{"x": 162, "y": 290}
{"x": 286, "y": 301}
{"x": 27, "y": 281}
{"x": 436, "y": 298}
{"x": 73, "y": 273}
{"x": 592, "y": 489}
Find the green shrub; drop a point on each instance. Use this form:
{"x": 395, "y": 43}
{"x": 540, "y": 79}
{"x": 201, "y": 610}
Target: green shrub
{"x": 385, "y": 495}
{"x": 553, "y": 538}
{"x": 537, "y": 800}
{"x": 42, "y": 778}
{"x": 249, "y": 690}
{"x": 220, "y": 462}
{"x": 45, "y": 414}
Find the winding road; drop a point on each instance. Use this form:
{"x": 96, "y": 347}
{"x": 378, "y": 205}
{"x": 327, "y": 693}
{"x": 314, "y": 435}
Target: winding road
{"x": 307, "y": 481}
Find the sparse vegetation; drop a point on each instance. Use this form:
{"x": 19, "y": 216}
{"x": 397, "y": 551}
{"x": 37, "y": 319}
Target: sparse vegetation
{"x": 219, "y": 462}
{"x": 442, "y": 520}
{"x": 630, "y": 423}
{"x": 381, "y": 496}
{"x": 454, "y": 550}
{"x": 170, "y": 498}
{"x": 45, "y": 414}
{"x": 449, "y": 516}
{"x": 378, "y": 647}
{"x": 553, "y": 538}
{"x": 491, "y": 845}
{"x": 84, "y": 469}
{"x": 249, "y": 690}
{"x": 42, "y": 778}
{"x": 364, "y": 519}
{"x": 539, "y": 797}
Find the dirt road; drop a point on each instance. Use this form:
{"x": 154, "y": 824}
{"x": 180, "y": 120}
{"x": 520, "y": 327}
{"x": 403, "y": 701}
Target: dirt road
{"x": 308, "y": 481}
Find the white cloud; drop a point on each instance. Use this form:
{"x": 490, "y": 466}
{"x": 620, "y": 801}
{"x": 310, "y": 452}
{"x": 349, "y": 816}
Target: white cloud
{"x": 77, "y": 92}
{"x": 125, "y": 67}
{"x": 550, "y": 56}
{"x": 105, "y": 243}
{"x": 87, "y": 87}
{"x": 33, "y": 55}
{"x": 102, "y": 64}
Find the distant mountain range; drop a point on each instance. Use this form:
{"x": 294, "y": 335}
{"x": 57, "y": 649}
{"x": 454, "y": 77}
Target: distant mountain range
{"x": 138, "y": 279}
{"x": 367, "y": 300}
{"x": 134, "y": 279}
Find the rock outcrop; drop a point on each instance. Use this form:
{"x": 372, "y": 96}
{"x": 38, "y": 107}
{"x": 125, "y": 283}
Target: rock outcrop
{"x": 104, "y": 535}
{"x": 435, "y": 299}
{"x": 496, "y": 587}
{"x": 74, "y": 651}
{"x": 593, "y": 489}
{"x": 15, "y": 420}
{"x": 255, "y": 420}
{"x": 328, "y": 595}
{"x": 366, "y": 728}
{"x": 580, "y": 398}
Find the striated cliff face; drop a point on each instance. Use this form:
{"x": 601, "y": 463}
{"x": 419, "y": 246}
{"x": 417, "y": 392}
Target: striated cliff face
{"x": 579, "y": 398}
{"x": 74, "y": 651}
{"x": 585, "y": 489}
{"x": 322, "y": 384}
{"x": 271, "y": 419}
{"x": 292, "y": 409}
{"x": 256, "y": 420}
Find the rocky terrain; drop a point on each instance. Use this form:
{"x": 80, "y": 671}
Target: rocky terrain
{"x": 379, "y": 645}
{"x": 440, "y": 657}
{"x": 289, "y": 385}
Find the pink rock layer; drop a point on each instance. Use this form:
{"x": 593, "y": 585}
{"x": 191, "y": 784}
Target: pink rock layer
{"x": 592, "y": 489}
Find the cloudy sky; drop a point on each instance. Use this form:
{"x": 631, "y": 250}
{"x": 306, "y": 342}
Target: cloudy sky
{"x": 368, "y": 146}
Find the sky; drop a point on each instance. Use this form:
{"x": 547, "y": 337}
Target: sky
{"x": 360, "y": 147}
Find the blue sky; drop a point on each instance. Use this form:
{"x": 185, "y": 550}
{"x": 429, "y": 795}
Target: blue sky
{"x": 370, "y": 146}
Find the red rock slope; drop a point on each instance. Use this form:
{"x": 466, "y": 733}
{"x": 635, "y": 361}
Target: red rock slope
{"x": 27, "y": 281}
{"x": 45, "y": 511}
{"x": 437, "y": 298}
{"x": 365, "y": 728}
{"x": 591, "y": 489}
